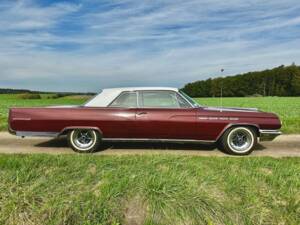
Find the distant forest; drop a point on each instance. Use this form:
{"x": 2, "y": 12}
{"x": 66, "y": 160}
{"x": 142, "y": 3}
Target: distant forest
{"x": 279, "y": 81}
{"x": 21, "y": 91}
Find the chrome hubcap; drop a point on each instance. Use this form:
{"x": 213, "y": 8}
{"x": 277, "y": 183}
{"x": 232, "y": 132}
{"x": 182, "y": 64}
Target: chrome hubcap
{"x": 240, "y": 140}
{"x": 83, "y": 139}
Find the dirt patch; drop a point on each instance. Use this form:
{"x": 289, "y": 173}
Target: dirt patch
{"x": 135, "y": 211}
{"x": 266, "y": 171}
{"x": 92, "y": 169}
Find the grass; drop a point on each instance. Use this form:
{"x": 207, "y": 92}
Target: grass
{"x": 288, "y": 108}
{"x": 157, "y": 189}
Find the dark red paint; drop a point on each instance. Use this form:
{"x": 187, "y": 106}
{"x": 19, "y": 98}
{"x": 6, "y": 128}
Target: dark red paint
{"x": 192, "y": 123}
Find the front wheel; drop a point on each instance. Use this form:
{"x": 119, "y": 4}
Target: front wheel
{"x": 239, "y": 140}
{"x": 84, "y": 140}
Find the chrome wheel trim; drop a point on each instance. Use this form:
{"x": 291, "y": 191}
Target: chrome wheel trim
{"x": 83, "y": 139}
{"x": 240, "y": 140}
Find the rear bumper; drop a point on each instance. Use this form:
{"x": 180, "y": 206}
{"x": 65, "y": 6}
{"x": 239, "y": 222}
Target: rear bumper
{"x": 32, "y": 134}
{"x": 268, "y": 135}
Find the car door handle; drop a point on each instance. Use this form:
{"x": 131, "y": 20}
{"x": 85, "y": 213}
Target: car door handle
{"x": 141, "y": 113}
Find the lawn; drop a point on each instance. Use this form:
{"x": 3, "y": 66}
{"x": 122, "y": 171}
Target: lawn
{"x": 288, "y": 108}
{"x": 153, "y": 189}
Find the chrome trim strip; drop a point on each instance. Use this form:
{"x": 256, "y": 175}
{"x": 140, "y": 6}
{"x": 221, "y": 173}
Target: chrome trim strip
{"x": 217, "y": 118}
{"x": 230, "y": 109}
{"x": 270, "y": 132}
{"x": 36, "y": 134}
{"x": 156, "y": 140}
{"x": 268, "y": 135}
{"x": 27, "y": 119}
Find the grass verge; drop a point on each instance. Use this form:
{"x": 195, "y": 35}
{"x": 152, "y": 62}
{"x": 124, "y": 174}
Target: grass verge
{"x": 155, "y": 189}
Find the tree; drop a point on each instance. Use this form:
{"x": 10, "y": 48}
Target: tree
{"x": 279, "y": 81}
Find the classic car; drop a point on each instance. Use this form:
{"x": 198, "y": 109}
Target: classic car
{"x": 147, "y": 114}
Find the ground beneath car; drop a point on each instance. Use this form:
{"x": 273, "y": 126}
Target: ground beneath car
{"x": 284, "y": 145}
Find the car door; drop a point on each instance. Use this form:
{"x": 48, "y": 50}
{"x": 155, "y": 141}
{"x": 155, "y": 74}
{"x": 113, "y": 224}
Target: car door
{"x": 164, "y": 115}
{"x": 119, "y": 120}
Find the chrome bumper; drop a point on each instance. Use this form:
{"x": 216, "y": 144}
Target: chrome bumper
{"x": 11, "y": 131}
{"x": 32, "y": 134}
{"x": 268, "y": 135}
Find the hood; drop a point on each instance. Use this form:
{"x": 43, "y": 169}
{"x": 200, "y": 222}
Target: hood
{"x": 231, "y": 109}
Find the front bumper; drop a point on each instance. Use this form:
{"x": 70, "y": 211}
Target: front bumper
{"x": 268, "y": 135}
{"x": 11, "y": 131}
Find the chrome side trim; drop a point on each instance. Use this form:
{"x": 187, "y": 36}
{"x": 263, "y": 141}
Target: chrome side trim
{"x": 157, "y": 140}
{"x": 231, "y": 109}
{"x": 27, "y": 119}
{"x": 268, "y": 135}
{"x": 36, "y": 134}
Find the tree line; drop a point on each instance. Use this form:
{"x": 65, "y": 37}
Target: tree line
{"x": 279, "y": 81}
{"x": 22, "y": 91}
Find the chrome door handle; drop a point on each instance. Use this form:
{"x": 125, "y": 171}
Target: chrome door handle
{"x": 141, "y": 113}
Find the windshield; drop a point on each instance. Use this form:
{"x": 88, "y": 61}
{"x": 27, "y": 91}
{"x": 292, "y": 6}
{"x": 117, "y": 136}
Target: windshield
{"x": 189, "y": 99}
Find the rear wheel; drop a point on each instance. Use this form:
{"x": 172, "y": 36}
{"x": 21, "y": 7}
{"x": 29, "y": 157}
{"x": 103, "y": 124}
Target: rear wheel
{"x": 84, "y": 140}
{"x": 239, "y": 140}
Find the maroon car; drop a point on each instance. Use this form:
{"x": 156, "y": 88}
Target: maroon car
{"x": 146, "y": 114}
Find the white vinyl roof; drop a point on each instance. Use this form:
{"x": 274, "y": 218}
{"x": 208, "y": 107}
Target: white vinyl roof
{"x": 105, "y": 97}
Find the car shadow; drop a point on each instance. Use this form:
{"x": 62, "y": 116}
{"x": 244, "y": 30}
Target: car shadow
{"x": 53, "y": 143}
{"x": 61, "y": 142}
{"x": 259, "y": 147}
{"x": 156, "y": 146}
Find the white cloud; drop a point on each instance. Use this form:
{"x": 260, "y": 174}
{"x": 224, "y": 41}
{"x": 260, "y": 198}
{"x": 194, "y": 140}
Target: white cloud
{"x": 25, "y": 15}
{"x": 89, "y": 46}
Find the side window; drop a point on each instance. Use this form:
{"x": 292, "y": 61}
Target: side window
{"x": 182, "y": 102}
{"x": 159, "y": 99}
{"x": 125, "y": 100}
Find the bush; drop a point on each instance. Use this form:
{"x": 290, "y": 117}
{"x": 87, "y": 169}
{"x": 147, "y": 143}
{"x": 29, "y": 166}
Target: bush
{"x": 29, "y": 96}
{"x": 58, "y": 95}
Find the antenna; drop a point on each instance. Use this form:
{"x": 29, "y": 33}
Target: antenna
{"x": 221, "y": 94}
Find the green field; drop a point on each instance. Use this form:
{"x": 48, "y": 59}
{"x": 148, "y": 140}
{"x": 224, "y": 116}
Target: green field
{"x": 157, "y": 189}
{"x": 288, "y": 108}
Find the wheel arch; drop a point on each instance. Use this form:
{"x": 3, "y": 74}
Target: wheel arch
{"x": 67, "y": 129}
{"x": 254, "y": 126}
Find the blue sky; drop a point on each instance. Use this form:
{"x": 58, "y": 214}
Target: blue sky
{"x": 87, "y": 45}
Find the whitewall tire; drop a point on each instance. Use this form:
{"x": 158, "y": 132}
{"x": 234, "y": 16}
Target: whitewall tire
{"x": 239, "y": 140}
{"x": 84, "y": 140}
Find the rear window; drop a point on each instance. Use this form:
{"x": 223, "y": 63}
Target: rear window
{"x": 125, "y": 100}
